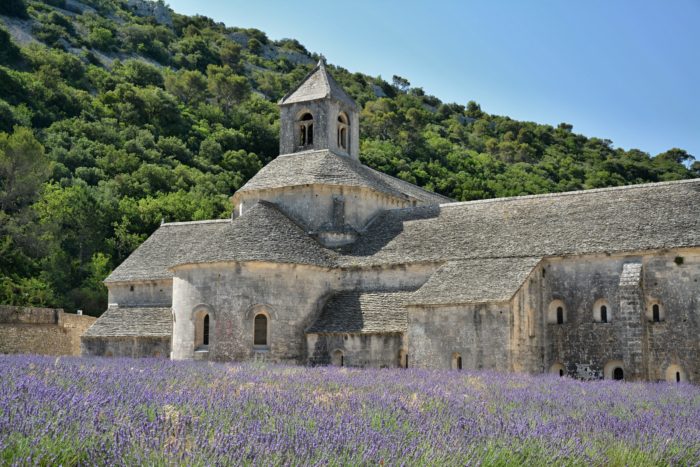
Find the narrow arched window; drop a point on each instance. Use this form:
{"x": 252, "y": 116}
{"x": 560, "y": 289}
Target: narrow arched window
{"x": 459, "y": 363}
{"x": 337, "y": 358}
{"x": 560, "y": 315}
{"x": 260, "y": 331}
{"x": 604, "y": 315}
{"x": 618, "y": 374}
{"x": 656, "y": 313}
{"x": 306, "y": 130}
{"x": 343, "y": 142}
{"x": 561, "y": 372}
{"x": 205, "y": 331}
{"x": 678, "y": 376}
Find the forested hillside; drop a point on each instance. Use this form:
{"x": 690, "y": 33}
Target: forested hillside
{"x": 116, "y": 114}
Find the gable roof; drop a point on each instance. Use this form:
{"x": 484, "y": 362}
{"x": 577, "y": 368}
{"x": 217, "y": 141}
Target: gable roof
{"x": 133, "y": 322}
{"x": 318, "y": 84}
{"x": 262, "y": 233}
{"x": 324, "y": 167}
{"x": 475, "y": 281}
{"x": 151, "y": 259}
{"x": 364, "y": 313}
{"x": 630, "y": 218}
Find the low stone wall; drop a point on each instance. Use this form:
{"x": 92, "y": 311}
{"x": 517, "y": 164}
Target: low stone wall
{"x": 133, "y": 347}
{"x": 44, "y": 331}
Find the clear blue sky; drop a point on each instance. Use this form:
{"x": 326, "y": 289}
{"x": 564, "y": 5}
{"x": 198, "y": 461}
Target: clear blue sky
{"x": 628, "y": 70}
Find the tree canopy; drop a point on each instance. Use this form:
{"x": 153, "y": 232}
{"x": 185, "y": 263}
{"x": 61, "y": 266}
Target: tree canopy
{"x": 111, "y": 122}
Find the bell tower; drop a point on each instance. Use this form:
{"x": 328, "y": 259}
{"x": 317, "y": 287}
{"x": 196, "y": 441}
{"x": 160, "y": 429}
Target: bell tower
{"x": 319, "y": 115}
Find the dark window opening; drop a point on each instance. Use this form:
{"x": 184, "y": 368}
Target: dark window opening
{"x": 306, "y": 130}
{"x": 604, "y": 315}
{"x": 131, "y": 288}
{"x": 205, "y": 331}
{"x": 459, "y": 363}
{"x": 618, "y": 374}
{"x": 561, "y": 372}
{"x": 342, "y": 360}
{"x": 656, "y": 315}
{"x": 260, "y": 333}
{"x": 678, "y": 376}
{"x": 560, "y": 315}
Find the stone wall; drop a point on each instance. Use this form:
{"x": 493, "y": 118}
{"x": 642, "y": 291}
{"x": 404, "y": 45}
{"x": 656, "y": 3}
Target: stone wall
{"x": 292, "y": 296}
{"x": 134, "y": 347}
{"x": 141, "y": 293}
{"x": 478, "y": 333}
{"x": 645, "y": 349}
{"x": 325, "y": 120}
{"x": 359, "y": 350}
{"x": 313, "y": 205}
{"x": 43, "y": 331}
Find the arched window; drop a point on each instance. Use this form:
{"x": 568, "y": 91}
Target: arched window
{"x": 205, "y": 331}
{"x": 675, "y": 374}
{"x": 337, "y": 358}
{"x": 618, "y": 374}
{"x": 403, "y": 359}
{"x": 202, "y": 329}
{"x": 601, "y": 311}
{"x": 557, "y": 369}
{"x": 306, "y": 130}
{"x": 556, "y": 312}
{"x": 343, "y": 128}
{"x": 456, "y": 361}
{"x": 655, "y": 313}
{"x": 614, "y": 369}
{"x": 260, "y": 331}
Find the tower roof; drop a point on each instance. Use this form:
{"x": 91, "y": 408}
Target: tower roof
{"x": 318, "y": 84}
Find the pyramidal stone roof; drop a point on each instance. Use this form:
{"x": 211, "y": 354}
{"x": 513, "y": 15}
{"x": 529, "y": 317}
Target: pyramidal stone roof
{"x": 364, "y": 313}
{"x": 622, "y": 219}
{"x": 133, "y": 322}
{"x": 262, "y": 233}
{"x": 318, "y": 84}
{"x": 324, "y": 167}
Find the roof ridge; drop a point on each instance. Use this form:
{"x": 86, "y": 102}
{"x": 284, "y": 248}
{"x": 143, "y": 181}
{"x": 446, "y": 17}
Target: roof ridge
{"x": 571, "y": 193}
{"x": 206, "y": 221}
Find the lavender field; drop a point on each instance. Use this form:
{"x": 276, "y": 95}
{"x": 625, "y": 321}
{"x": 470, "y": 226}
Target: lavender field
{"x": 73, "y": 411}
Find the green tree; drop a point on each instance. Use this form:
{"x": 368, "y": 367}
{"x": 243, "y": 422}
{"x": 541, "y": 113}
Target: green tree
{"x": 23, "y": 168}
{"x": 227, "y": 87}
{"x": 16, "y": 8}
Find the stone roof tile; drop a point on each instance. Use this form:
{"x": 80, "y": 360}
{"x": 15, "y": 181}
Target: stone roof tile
{"x": 363, "y": 313}
{"x": 632, "y": 218}
{"x": 133, "y": 322}
{"x": 262, "y": 233}
{"x": 475, "y": 281}
{"x": 151, "y": 259}
{"x": 324, "y": 167}
{"x": 318, "y": 84}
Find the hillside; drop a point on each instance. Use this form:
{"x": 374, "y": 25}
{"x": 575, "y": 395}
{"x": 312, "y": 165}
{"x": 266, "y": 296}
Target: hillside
{"x": 117, "y": 114}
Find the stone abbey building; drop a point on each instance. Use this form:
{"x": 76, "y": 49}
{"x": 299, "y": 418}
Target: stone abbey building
{"x": 326, "y": 261}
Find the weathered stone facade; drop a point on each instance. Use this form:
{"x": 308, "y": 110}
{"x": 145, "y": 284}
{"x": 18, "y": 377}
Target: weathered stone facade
{"x": 44, "y": 331}
{"x": 326, "y": 261}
